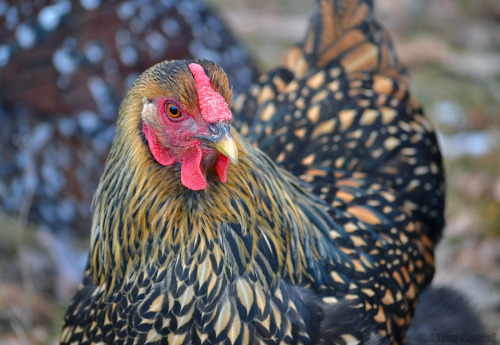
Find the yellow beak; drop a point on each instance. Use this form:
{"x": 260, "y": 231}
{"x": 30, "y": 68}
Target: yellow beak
{"x": 226, "y": 145}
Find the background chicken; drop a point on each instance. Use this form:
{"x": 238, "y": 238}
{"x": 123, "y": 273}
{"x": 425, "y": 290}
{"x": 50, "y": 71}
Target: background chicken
{"x": 334, "y": 248}
{"x": 451, "y": 49}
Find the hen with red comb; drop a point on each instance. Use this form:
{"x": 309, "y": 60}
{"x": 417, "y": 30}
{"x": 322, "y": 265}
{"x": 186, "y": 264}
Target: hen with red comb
{"x": 317, "y": 226}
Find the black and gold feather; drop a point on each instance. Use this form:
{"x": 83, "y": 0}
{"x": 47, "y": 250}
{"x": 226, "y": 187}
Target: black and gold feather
{"x": 323, "y": 232}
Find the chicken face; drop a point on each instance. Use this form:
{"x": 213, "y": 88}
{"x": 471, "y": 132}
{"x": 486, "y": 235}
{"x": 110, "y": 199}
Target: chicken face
{"x": 194, "y": 133}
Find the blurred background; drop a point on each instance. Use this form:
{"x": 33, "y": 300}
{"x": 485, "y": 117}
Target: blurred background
{"x": 64, "y": 67}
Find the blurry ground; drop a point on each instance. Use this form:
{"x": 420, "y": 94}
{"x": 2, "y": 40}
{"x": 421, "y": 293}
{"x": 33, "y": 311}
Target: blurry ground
{"x": 452, "y": 48}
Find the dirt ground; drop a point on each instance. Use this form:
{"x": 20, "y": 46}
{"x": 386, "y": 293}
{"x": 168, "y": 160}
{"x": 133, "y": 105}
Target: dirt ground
{"x": 452, "y": 49}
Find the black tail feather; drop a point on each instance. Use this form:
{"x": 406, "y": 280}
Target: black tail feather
{"x": 444, "y": 316}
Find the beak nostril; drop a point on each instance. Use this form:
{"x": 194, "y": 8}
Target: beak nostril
{"x": 213, "y": 128}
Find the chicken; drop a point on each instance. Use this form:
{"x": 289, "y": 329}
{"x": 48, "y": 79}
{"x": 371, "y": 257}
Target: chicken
{"x": 64, "y": 68}
{"x": 311, "y": 222}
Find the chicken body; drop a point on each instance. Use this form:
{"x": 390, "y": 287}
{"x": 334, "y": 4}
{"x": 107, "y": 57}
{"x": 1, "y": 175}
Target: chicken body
{"x": 329, "y": 245}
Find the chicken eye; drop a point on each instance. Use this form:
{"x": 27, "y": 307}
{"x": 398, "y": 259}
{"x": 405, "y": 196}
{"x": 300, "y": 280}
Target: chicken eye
{"x": 173, "y": 111}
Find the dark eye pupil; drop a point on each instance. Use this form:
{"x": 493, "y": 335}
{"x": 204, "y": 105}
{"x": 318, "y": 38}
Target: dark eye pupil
{"x": 172, "y": 110}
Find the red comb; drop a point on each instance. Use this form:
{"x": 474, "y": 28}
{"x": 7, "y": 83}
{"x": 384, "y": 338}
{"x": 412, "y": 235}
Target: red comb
{"x": 213, "y": 106}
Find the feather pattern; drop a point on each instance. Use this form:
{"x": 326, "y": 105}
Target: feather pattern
{"x": 323, "y": 232}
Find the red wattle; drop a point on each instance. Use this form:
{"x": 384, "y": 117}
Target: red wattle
{"x": 160, "y": 153}
{"x": 221, "y": 167}
{"x": 191, "y": 175}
